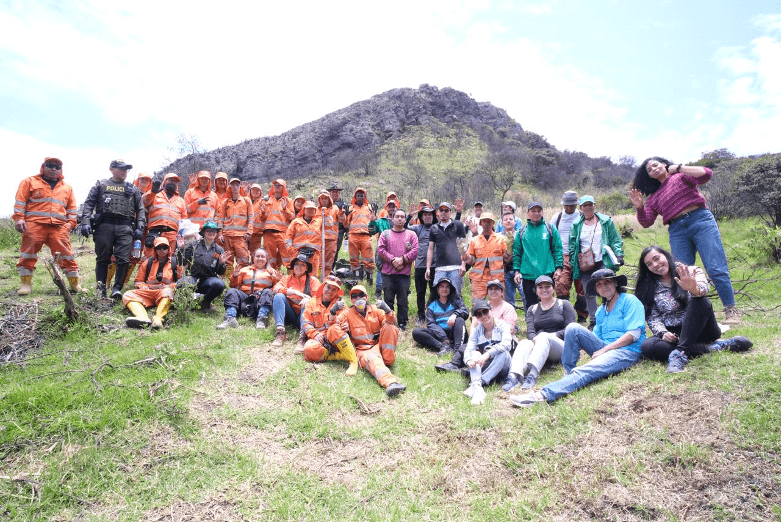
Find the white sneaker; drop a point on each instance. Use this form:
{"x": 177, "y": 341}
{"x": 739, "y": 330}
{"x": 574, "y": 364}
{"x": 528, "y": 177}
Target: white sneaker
{"x": 470, "y": 391}
{"x": 479, "y": 396}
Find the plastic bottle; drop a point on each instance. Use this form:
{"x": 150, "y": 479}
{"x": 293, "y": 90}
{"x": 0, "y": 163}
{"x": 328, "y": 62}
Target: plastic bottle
{"x": 137, "y": 248}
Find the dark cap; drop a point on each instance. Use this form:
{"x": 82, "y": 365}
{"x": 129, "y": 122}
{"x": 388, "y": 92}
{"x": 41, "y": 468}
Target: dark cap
{"x": 120, "y": 164}
{"x": 543, "y": 279}
{"x": 335, "y": 186}
{"x": 494, "y": 282}
{"x": 534, "y": 204}
{"x": 480, "y": 304}
{"x": 445, "y": 204}
{"x": 478, "y": 203}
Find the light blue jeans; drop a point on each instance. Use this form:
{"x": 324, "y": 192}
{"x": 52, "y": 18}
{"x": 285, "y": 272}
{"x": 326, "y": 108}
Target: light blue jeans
{"x": 453, "y": 275}
{"x": 698, "y": 232}
{"x": 510, "y": 288}
{"x": 495, "y": 367}
{"x": 284, "y": 313}
{"x": 575, "y": 338}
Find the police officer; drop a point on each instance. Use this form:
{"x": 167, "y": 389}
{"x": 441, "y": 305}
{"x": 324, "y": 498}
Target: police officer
{"x": 117, "y": 222}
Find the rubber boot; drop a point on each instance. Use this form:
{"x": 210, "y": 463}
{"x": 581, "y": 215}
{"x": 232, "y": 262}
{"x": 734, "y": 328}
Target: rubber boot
{"x": 75, "y": 286}
{"x": 347, "y": 351}
{"x": 119, "y": 281}
{"x": 228, "y": 272}
{"x": 369, "y": 278}
{"x": 27, "y": 285}
{"x": 101, "y": 273}
{"x": 130, "y": 270}
{"x": 162, "y": 309}
{"x": 112, "y": 268}
{"x": 140, "y": 317}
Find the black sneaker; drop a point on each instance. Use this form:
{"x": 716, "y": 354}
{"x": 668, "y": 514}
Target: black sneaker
{"x": 736, "y": 344}
{"x": 447, "y": 367}
{"x": 677, "y": 361}
{"x": 394, "y": 389}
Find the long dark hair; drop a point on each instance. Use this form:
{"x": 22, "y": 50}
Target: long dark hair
{"x": 452, "y": 297}
{"x": 645, "y": 183}
{"x": 645, "y": 287}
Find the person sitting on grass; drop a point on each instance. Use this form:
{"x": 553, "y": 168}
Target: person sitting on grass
{"x": 678, "y": 312}
{"x": 614, "y": 345}
{"x": 290, "y": 295}
{"x": 250, "y": 292}
{"x": 545, "y": 324}
{"x": 154, "y": 285}
{"x": 487, "y": 354}
{"x": 500, "y": 308}
{"x": 445, "y": 317}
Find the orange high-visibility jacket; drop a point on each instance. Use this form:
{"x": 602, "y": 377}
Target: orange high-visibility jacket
{"x": 316, "y": 317}
{"x": 275, "y": 216}
{"x": 198, "y": 213}
{"x": 302, "y": 234}
{"x": 168, "y": 275}
{"x": 244, "y": 278}
{"x": 363, "y": 331}
{"x": 332, "y": 215}
{"x": 37, "y": 202}
{"x": 235, "y": 218}
{"x": 164, "y": 212}
{"x": 489, "y": 260}
{"x": 257, "y": 210}
{"x": 357, "y": 221}
{"x": 291, "y": 282}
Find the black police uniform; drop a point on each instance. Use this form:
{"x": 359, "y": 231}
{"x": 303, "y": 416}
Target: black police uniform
{"x": 119, "y": 212}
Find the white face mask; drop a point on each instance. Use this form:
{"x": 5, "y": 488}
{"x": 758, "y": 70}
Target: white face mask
{"x": 360, "y": 305}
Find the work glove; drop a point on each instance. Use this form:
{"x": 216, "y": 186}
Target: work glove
{"x": 138, "y": 233}
{"x": 85, "y": 230}
{"x": 337, "y": 307}
{"x": 156, "y": 186}
{"x": 382, "y": 305}
{"x": 620, "y": 260}
{"x": 203, "y": 201}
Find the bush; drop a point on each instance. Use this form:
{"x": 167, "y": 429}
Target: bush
{"x": 614, "y": 203}
{"x": 9, "y": 237}
{"x": 765, "y": 242}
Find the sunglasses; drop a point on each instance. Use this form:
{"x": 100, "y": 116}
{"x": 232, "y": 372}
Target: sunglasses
{"x": 443, "y": 210}
{"x": 481, "y": 313}
{"x": 162, "y": 247}
{"x": 52, "y": 166}
{"x": 358, "y": 295}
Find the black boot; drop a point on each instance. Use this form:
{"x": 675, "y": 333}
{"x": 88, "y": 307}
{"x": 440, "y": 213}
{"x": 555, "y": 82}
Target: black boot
{"x": 101, "y": 273}
{"x": 119, "y": 280}
{"x": 369, "y": 278}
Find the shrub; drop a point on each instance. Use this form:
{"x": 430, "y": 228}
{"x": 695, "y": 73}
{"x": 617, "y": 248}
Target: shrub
{"x": 765, "y": 242}
{"x": 9, "y": 237}
{"x": 614, "y": 203}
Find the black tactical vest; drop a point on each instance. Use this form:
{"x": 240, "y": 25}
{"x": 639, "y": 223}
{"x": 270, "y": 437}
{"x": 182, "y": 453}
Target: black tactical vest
{"x": 116, "y": 201}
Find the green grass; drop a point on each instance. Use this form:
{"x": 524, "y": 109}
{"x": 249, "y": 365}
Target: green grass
{"x": 113, "y": 424}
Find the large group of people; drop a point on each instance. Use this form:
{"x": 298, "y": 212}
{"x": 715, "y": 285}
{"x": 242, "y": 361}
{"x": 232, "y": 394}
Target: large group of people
{"x": 276, "y": 255}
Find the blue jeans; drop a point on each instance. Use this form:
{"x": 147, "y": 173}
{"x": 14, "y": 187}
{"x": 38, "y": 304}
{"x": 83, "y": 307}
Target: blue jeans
{"x": 284, "y": 313}
{"x": 575, "y": 338}
{"x": 496, "y": 369}
{"x": 510, "y": 288}
{"x": 453, "y": 275}
{"x": 378, "y": 280}
{"x": 698, "y": 232}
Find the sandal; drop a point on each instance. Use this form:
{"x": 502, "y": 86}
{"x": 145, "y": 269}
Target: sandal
{"x": 527, "y": 400}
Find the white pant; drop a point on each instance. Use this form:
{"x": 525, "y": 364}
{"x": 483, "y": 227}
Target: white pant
{"x": 545, "y": 347}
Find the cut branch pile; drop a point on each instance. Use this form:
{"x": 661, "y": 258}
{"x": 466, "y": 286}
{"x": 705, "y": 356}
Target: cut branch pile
{"x": 19, "y": 333}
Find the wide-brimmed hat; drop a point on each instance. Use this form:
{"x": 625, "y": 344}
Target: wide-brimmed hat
{"x": 427, "y": 209}
{"x": 303, "y": 258}
{"x": 495, "y": 282}
{"x": 480, "y": 304}
{"x": 603, "y": 273}
{"x": 569, "y": 198}
{"x": 335, "y": 186}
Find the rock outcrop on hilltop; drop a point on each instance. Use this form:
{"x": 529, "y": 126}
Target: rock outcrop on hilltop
{"x": 338, "y": 140}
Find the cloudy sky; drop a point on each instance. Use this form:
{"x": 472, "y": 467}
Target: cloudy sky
{"x": 88, "y": 82}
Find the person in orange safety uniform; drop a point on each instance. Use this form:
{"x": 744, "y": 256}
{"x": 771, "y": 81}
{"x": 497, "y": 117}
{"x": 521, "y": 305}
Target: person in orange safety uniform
{"x": 277, "y": 215}
{"x": 256, "y": 196}
{"x": 331, "y": 215}
{"x": 359, "y": 242}
{"x": 235, "y": 218}
{"x": 221, "y": 186}
{"x": 45, "y": 213}
{"x": 304, "y": 236}
{"x": 166, "y": 209}
{"x": 374, "y": 334}
{"x": 290, "y": 295}
{"x": 155, "y": 284}
{"x": 201, "y": 201}
{"x": 383, "y": 213}
{"x": 319, "y": 315}
{"x": 486, "y": 254}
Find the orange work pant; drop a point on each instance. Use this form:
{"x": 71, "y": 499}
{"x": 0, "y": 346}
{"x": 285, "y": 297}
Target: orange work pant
{"x": 148, "y": 297}
{"x": 255, "y": 242}
{"x": 274, "y": 242}
{"x": 376, "y": 358}
{"x": 238, "y": 250}
{"x": 360, "y": 248}
{"x": 478, "y": 285}
{"x": 329, "y": 257}
{"x": 56, "y": 237}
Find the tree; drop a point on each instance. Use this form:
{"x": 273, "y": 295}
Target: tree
{"x": 503, "y": 168}
{"x": 760, "y": 182}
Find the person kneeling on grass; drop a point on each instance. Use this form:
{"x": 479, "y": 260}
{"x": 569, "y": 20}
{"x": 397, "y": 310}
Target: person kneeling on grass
{"x": 545, "y": 324}
{"x": 326, "y": 342}
{"x": 250, "y": 292}
{"x": 614, "y": 344}
{"x": 154, "y": 285}
{"x": 678, "y": 312}
{"x": 374, "y": 334}
{"x": 488, "y": 352}
{"x": 445, "y": 316}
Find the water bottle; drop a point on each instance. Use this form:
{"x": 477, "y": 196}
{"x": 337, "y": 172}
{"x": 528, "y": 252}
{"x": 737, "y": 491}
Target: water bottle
{"x": 137, "y": 248}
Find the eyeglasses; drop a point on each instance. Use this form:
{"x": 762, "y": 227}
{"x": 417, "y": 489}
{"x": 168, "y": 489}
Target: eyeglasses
{"x": 443, "y": 210}
{"x": 481, "y": 313}
{"x": 52, "y": 166}
{"x": 358, "y": 295}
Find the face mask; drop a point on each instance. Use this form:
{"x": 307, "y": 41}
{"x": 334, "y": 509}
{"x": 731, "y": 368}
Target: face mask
{"x": 360, "y": 305}
{"x": 170, "y": 189}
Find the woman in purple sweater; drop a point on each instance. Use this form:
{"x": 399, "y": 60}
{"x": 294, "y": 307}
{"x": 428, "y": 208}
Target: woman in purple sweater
{"x": 672, "y": 192}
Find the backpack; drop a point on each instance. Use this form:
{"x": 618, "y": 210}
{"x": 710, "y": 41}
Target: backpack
{"x": 149, "y": 261}
{"x": 550, "y": 234}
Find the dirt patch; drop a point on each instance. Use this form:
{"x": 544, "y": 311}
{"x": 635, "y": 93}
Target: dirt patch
{"x": 266, "y": 360}
{"x": 213, "y": 509}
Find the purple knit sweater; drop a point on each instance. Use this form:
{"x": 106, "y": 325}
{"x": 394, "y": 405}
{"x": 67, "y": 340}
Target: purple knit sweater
{"x": 676, "y": 193}
{"x": 397, "y": 244}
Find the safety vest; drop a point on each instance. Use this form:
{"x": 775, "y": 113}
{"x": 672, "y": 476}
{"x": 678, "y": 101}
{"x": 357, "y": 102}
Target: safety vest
{"x": 489, "y": 260}
{"x": 147, "y": 272}
{"x": 250, "y": 280}
{"x": 235, "y": 217}
{"x": 358, "y": 219}
{"x": 165, "y": 212}
{"x": 301, "y": 234}
{"x": 316, "y": 317}
{"x": 37, "y": 202}
{"x": 332, "y": 216}
{"x": 200, "y": 214}
{"x": 276, "y": 217}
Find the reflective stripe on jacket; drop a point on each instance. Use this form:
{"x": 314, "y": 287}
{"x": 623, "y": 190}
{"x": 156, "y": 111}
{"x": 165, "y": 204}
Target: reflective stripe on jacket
{"x": 488, "y": 253}
{"x": 36, "y": 201}
{"x": 164, "y": 212}
{"x": 235, "y": 217}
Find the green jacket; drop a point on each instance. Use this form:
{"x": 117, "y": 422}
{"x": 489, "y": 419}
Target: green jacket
{"x": 610, "y": 237}
{"x": 379, "y": 225}
{"x": 535, "y": 253}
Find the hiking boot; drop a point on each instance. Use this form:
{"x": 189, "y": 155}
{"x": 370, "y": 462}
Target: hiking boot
{"x": 444, "y": 349}
{"x": 394, "y": 389}
{"x": 736, "y": 344}
{"x": 369, "y": 278}
{"x": 100, "y": 289}
{"x": 281, "y": 337}
{"x": 302, "y": 339}
{"x": 529, "y": 382}
{"x": 378, "y": 292}
{"x": 732, "y": 316}
{"x": 447, "y": 367}
{"x": 511, "y": 382}
{"x": 677, "y": 361}
{"x": 261, "y": 323}
{"x": 229, "y": 322}
{"x": 465, "y": 372}
{"x": 207, "y": 308}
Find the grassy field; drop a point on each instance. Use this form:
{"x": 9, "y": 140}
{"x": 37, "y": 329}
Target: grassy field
{"x": 191, "y": 423}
